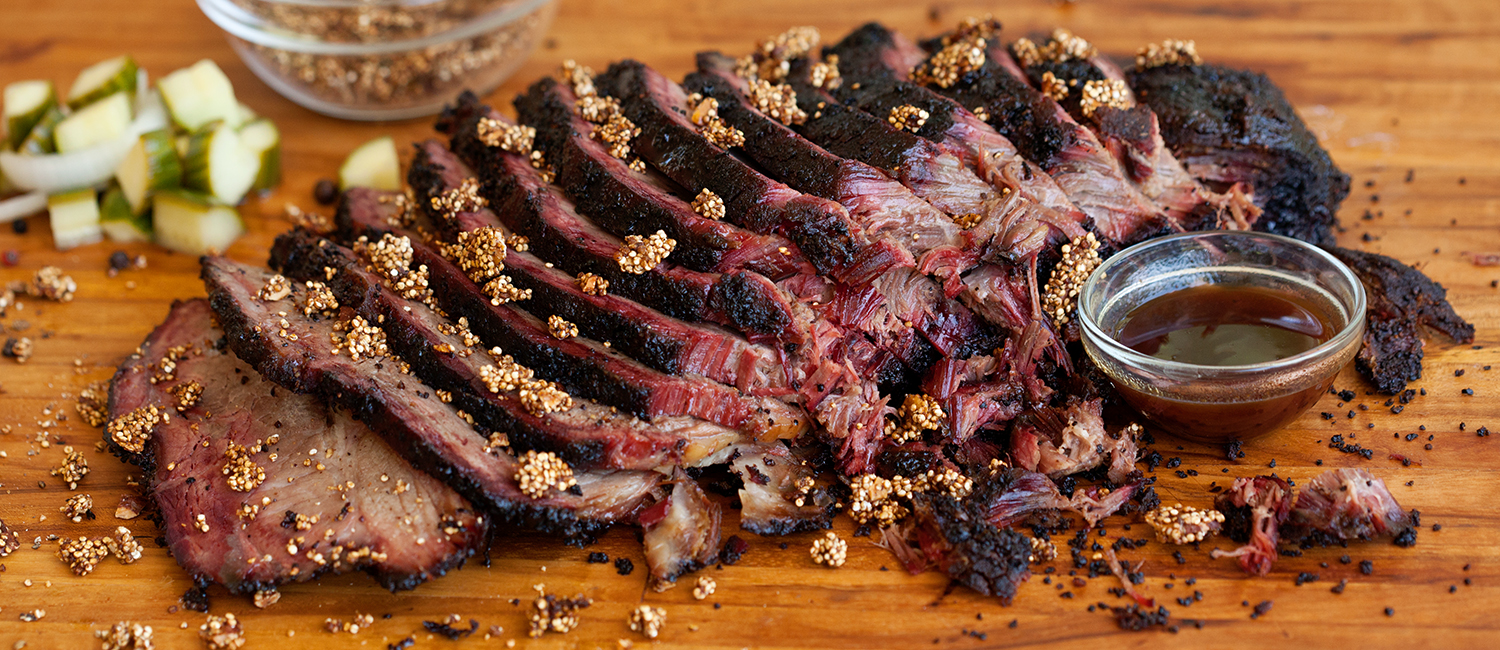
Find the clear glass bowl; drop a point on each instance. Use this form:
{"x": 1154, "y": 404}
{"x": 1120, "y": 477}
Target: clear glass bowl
{"x": 381, "y": 59}
{"x": 1220, "y": 403}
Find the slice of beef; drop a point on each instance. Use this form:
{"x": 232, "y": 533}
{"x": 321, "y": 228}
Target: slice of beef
{"x": 1234, "y": 126}
{"x": 1346, "y": 504}
{"x": 682, "y": 532}
{"x": 646, "y": 335}
{"x": 875, "y": 64}
{"x": 381, "y": 393}
{"x": 1012, "y": 496}
{"x": 630, "y": 202}
{"x": 1133, "y": 136}
{"x": 588, "y": 368}
{"x": 384, "y": 517}
{"x": 1008, "y": 224}
{"x": 449, "y": 358}
{"x": 1048, "y": 136}
{"x": 1400, "y": 303}
{"x": 1254, "y": 509}
{"x": 882, "y": 207}
{"x": 669, "y": 140}
{"x": 779, "y": 494}
{"x": 532, "y": 208}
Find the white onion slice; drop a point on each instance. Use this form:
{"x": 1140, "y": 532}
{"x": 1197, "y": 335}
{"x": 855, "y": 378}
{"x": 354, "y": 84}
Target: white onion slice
{"x": 24, "y": 205}
{"x": 54, "y": 173}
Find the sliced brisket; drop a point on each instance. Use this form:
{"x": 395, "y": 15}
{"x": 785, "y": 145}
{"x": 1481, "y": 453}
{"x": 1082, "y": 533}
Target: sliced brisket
{"x": 875, "y": 63}
{"x": 779, "y": 496}
{"x": 588, "y": 368}
{"x": 532, "y": 208}
{"x": 1234, "y": 126}
{"x": 410, "y": 415}
{"x": 669, "y": 140}
{"x": 630, "y": 202}
{"x": 385, "y": 517}
{"x": 449, "y": 358}
{"x": 646, "y": 335}
{"x": 1048, "y": 136}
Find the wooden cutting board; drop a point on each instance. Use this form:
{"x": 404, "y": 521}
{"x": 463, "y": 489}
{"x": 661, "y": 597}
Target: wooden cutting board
{"x": 1402, "y": 92}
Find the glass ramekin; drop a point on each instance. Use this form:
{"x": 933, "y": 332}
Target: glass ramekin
{"x": 1220, "y": 403}
{"x": 381, "y": 59}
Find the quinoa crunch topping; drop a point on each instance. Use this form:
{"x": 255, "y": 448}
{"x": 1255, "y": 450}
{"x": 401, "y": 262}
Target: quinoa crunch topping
{"x": 505, "y": 375}
{"x": 319, "y": 299}
{"x": 772, "y": 56}
{"x": 187, "y": 395}
{"x": 951, "y": 63}
{"x": 19, "y": 349}
{"x": 82, "y": 554}
{"x": 830, "y": 551}
{"x": 825, "y": 74}
{"x": 616, "y": 134}
{"x": 464, "y": 198}
{"x": 9, "y": 540}
{"x": 592, "y": 284}
{"x": 244, "y": 475}
{"x": 1079, "y": 259}
{"x": 222, "y": 633}
{"x": 908, "y": 118}
{"x": 73, "y": 468}
{"x": 515, "y": 138}
{"x": 553, "y": 614}
{"x": 126, "y": 635}
{"x": 541, "y": 472}
{"x": 360, "y": 339}
{"x": 1168, "y": 52}
{"x": 123, "y": 545}
{"x": 276, "y": 288}
{"x": 50, "y": 283}
{"x": 77, "y": 508}
{"x": 918, "y": 414}
{"x": 480, "y": 253}
{"x": 1180, "y": 524}
{"x": 777, "y": 101}
{"x": 706, "y": 587}
{"x": 561, "y": 328}
{"x": 641, "y": 254}
{"x": 708, "y": 205}
{"x": 391, "y": 258}
{"x": 501, "y": 291}
{"x": 1098, "y": 94}
{"x": 968, "y": 220}
{"x": 647, "y": 620}
{"x": 543, "y": 397}
{"x": 93, "y": 403}
{"x": 1053, "y": 87}
{"x": 1062, "y": 47}
{"x": 132, "y": 430}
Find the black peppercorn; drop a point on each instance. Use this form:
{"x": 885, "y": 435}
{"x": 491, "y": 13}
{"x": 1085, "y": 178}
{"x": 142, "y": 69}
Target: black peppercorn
{"x": 325, "y": 192}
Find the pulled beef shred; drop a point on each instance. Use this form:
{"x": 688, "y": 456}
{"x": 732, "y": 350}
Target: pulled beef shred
{"x": 1254, "y": 509}
{"x": 1348, "y": 504}
{"x": 448, "y": 631}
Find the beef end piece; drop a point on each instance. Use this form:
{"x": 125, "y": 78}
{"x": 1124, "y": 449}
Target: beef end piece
{"x": 1231, "y": 126}
{"x": 958, "y": 539}
{"x": 1346, "y": 504}
{"x": 682, "y": 532}
{"x": 1254, "y": 510}
{"x": 1401, "y": 302}
{"x": 235, "y": 531}
{"x": 779, "y": 496}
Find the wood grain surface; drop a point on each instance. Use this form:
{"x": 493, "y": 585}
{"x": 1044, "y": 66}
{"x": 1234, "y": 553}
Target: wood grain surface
{"x": 1394, "y": 88}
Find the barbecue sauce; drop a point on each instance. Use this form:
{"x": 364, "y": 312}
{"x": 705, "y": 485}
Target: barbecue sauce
{"x": 1214, "y": 325}
{"x": 1223, "y": 325}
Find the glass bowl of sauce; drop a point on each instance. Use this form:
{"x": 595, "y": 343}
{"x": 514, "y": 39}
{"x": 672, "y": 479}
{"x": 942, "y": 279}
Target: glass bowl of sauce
{"x": 1224, "y": 335}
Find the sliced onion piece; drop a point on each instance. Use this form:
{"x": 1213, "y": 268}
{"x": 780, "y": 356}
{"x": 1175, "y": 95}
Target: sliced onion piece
{"x": 24, "y": 205}
{"x": 54, "y": 173}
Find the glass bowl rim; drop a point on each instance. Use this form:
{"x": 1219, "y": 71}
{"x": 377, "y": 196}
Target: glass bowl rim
{"x": 246, "y": 26}
{"x": 1112, "y": 348}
